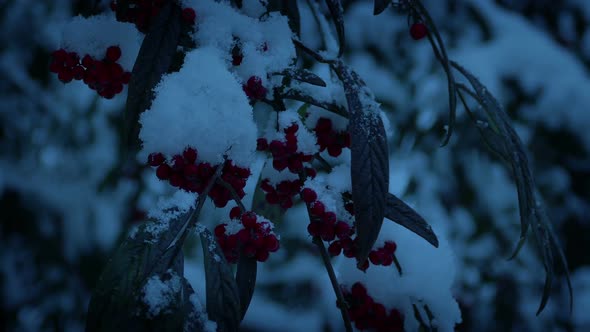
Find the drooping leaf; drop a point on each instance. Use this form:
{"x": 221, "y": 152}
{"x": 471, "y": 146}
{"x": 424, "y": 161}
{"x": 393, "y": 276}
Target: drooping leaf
{"x": 402, "y": 214}
{"x": 192, "y": 314}
{"x": 438, "y": 47}
{"x": 369, "y": 159}
{"x": 337, "y": 15}
{"x": 146, "y": 253}
{"x": 223, "y": 298}
{"x": 502, "y": 139}
{"x": 304, "y": 75}
{"x": 246, "y": 281}
{"x": 380, "y": 6}
{"x": 154, "y": 59}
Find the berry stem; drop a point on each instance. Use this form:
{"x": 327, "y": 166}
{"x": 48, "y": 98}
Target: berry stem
{"x": 342, "y": 304}
{"x": 193, "y": 217}
{"x": 233, "y": 193}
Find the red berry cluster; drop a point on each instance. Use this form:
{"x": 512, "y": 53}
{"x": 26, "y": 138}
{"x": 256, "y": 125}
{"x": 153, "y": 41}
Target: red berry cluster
{"x": 285, "y": 154}
{"x": 328, "y": 138}
{"x": 254, "y": 88}
{"x": 255, "y": 239}
{"x": 370, "y": 315}
{"x": 105, "y": 76}
{"x": 185, "y": 172}
{"x": 143, "y": 12}
{"x": 325, "y": 225}
{"x": 283, "y": 193}
{"x": 418, "y": 30}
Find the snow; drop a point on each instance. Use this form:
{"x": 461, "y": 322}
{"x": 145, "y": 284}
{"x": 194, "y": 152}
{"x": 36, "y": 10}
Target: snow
{"x": 159, "y": 295}
{"x": 199, "y": 106}
{"x": 93, "y": 35}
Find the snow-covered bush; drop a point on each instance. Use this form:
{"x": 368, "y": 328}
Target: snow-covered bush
{"x": 247, "y": 124}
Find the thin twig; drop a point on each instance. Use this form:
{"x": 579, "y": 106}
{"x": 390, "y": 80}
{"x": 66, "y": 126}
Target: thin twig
{"x": 332, "y": 107}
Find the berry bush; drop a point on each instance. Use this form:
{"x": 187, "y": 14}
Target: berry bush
{"x": 307, "y": 147}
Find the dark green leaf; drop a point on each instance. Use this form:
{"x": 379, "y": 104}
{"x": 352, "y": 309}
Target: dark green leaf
{"x": 304, "y": 75}
{"x": 115, "y": 299}
{"x": 502, "y": 139}
{"x": 223, "y": 298}
{"x": 154, "y": 59}
{"x": 337, "y": 14}
{"x": 246, "y": 281}
{"x": 369, "y": 159}
{"x": 192, "y": 314}
{"x": 402, "y": 214}
{"x": 291, "y": 10}
{"x": 380, "y": 6}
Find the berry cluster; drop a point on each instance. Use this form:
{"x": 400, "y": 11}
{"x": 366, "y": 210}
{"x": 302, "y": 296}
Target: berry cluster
{"x": 326, "y": 225}
{"x": 328, "y": 138}
{"x": 183, "y": 171}
{"x": 418, "y": 30}
{"x": 143, "y": 12}
{"x": 283, "y": 193}
{"x": 285, "y": 154}
{"x": 105, "y": 76}
{"x": 368, "y": 314}
{"x": 253, "y": 239}
{"x": 253, "y": 87}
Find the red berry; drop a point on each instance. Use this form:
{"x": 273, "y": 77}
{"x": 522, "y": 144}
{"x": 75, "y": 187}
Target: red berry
{"x": 190, "y": 155}
{"x": 271, "y": 243}
{"x": 314, "y": 228}
{"x": 310, "y": 172}
{"x": 390, "y": 246}
{"x": 72, "y": 59}
{"x": 323, "y": 125}
{"x": 375, "y": 257}
{"x": 156, "y": 159}
{"x": 235, "y": 212}
{"x": 335, "y": 248}
{"x": 219, "y": 230}
{"x": 308, "y": 195}
{"x": 318, "y": 208}
{"x": 261, "y": 144}
{"x": 279, "y": 164}
{"x": 191, "y": 172}
{"x": 418, "y": 31}
{"x": 329, "y": 218}
{"x": 254, "y": 89}
{"x": 163, "y": 172}
{"x": 177, "y": 163}
{"x": 87, "y": 61}
{"x": 342, "y": 229}
{"x": 59, "y": 55}
{"x": 189, "y": 15}
{"x": 277, "y": 148}
{"x": 250, "y": 250}
{"x": 113, "y": 53}
{"x": 272, "y": 198}
{"x": 65, "y": 75}
{"x": 358, "y": 291}
{"x": 78, "y": 72}
{"x": 334, "y": 150}
{"x": 243, "y": 235}
{"x": 327, "y": 232}
{"x": 262, "y": 255}
{"x": 176, "y": 180}
{"x": 249, "y": 219}
{"x": 292, "y": 129}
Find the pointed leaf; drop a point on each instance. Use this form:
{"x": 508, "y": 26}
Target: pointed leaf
{"x": 140, "y": 256}
{"x": 337, "y": 14}
{"x": 304, "y": 75}
{"x": 369, "y": 159}
{"x": 154, "y": 59}
{"x": 246, "y": 281}
{"x": 223, "y": 299}
{"x": 503, "y": 140}
{"x": 380, "y": 6}
{"x": 402, "y": 214}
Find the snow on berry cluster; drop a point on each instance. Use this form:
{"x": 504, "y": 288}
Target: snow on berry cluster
{"x": 367, "y": 314}
{"x": 330, "y": 139}
{"x": 142, "y": 12}
{"x": 247, "y": 234}
{"x": 185, "y": 172}
{"x": 105, "y": 76}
